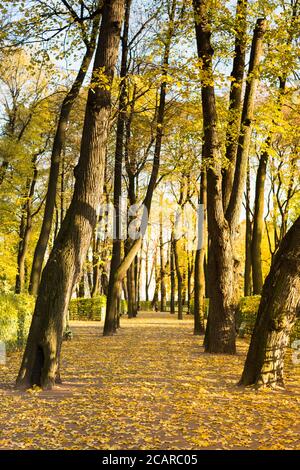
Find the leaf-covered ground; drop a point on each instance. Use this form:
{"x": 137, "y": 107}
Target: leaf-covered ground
{"x": 149, "y": 387}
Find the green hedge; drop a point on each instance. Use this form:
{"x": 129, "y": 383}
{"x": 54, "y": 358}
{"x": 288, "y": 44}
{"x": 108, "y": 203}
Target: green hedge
{"x": 87, "y": 309}
{"x": 91, "y": 308}
{"x": 246, "y": 316}
{"x": 124, "y": 308}
{"x": 15, "y": 318}
{"x": 146, "y": 305}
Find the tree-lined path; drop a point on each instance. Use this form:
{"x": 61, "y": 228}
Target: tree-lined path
{"x": 151, "y": 386}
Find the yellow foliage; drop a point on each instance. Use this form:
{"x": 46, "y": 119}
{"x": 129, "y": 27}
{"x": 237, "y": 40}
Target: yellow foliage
{"x": 149, "y": 387}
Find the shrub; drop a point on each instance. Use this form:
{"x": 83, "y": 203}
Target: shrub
{"x": 87, "y": 309}
{"x": 246, "y": 316}
{"x": 145, "y": 305}
{"x": 124, "y": 307}
{"x": 15, "y": 318}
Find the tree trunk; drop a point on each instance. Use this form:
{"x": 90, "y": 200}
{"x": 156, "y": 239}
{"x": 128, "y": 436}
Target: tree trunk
{"x": 96, "y": 265}
{"x": 41, "y": 356}
{"x": 222, "y": 266}
{"x": 116, "y": 249}
{"x": 58, "y": 146}
{"x": 154, "y": 302}
{"x": 138, "y": 280}
{"x": 25, "y": 231}
{"x": 130, "y": 256}
{"x": 235, "y": 99}
{"x": 190, "y": 269}
{"x": 147, "y": 272}
{"x": 183, "y": 293}
{"x": 179, "y": 280}
{"x": 220, "y": 333}
{"x": 81, "y": 287}
{"x": 248, "y": 234}
{"x": 172, "y": 277}
{"x": 276, "y": 316}
{"x": 199, "y": 278}
{"x": 162, "y": 262}
{"x": 244, "y": 140}
{"x": 258, "y": 224}
{"x": 131, "y": 292}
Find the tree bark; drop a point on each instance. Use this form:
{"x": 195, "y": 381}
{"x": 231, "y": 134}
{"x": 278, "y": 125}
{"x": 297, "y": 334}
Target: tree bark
{"x": 258, "y": 216}
{"x": 116, "y": 249}
{"x": 147, "y": 272}
{"x": 244, "y": 140}
{"x": 130, "y": 256}
{"x": 58, "y": 146}
{"x": 248, "y": 235}
{"x": 162, "y": 262}
{"x": 172, "y": 277}
{"x": 25, "y": 231}
{"x": 154, "y": 302}
{"x": 235, "y": 99}
{"x": 96, "y": 265}
{"x": 276, "y": 316}
{"x": 222, "y": 265}
{"x": 179, "y": 280}
{"x": 62, "y": 270}
{"x": 258, "y": 224}
{"x": 81, "y": 286}
{"x": 199, "y": 278}
{"x": 190, "y": 269}
{"x": 220, "y": 333}
{"x": 131, "y": 292}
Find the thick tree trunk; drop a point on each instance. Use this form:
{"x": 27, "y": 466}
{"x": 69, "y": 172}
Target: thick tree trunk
{"x": 199, "y": 278}
{"x": 220, "y": 332}
{"x": 58, "y": 146}
{"x": 117, "y": 242}
{"x": 279, "y": 307}
{"x": 41, "y": 356}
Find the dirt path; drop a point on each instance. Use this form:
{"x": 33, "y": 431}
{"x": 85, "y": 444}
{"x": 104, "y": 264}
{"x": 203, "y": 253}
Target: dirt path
{"x": 149, "y": 387}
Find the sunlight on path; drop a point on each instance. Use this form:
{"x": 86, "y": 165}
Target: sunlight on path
{"x": 148, "y": 387}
